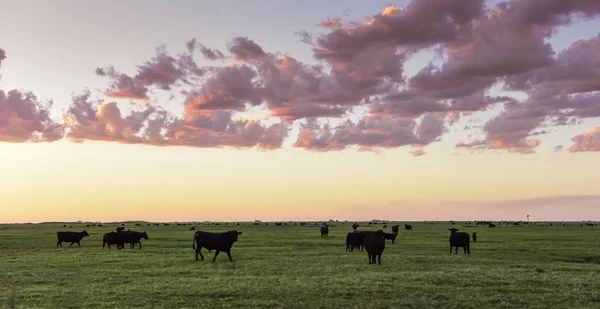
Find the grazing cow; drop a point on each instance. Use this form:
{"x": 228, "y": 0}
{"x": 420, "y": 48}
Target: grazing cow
{"x": 374, "y": 244}
{"x": 114, "y": 238}
{"x": 72, "y": 237}
{"x": 474, "y": 236}
{"x": 459, "y": 239}
{"x": 325, "y": 230}
{"x": 255, "y": 223}
{"x": 65, "y": 225}
{"x": 395, "y": 229}
{"x": 391, "y": 237}
{"x": 87, "y": 225}
{"x": 137, "y": 224}
{"x": 302, "y": 223}
{"x": 354, "y": 241}
{"x": 385, "y": 226}
{"x": 133, "y": 237}
{"x": 192, "y": 228}
{"x": 491, "y": 225}
{"x": 408, "y": 227}
{"x": 278, "y": 223}
{"x": 120, "y": 229}
{"x": 215, "y": 241}
{"x": 355, "y": 226}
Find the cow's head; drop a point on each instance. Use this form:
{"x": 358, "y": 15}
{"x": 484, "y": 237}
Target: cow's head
{"x": 453, "y": 230}
{"x": 144, "y": 235}
{"x": 233, "y": 235}
{"x": 84, "y": 233}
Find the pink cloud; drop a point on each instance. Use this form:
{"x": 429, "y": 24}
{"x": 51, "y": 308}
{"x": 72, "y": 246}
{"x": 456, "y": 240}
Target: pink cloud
{"x": 245, "y": 49}
{"x": 23, "y": 118}
{"x": 418, "y": 152}
{"x": 589, "y": 141}
{"x": 210, "y": 54}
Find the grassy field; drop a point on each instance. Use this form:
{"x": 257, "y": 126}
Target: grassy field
{"x": 292, "y": 267}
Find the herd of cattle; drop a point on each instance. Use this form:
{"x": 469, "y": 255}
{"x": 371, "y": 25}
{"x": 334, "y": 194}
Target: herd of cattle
{"x": 373, "y": 242}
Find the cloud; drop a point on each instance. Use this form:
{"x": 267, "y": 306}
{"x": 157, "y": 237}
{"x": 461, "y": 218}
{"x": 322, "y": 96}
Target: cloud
{"x": 548, "y": 208}
{"x": 210, "y": 54}
{"x": 162, "y": 71}
{"x": 589, "y": 141}
{"x": 2, "y": 57}
{"x": 245, "y": 49}
{"x": 418, "y": 152}
{"x": 150, "y": 125}
{"x": 23, "y": 118}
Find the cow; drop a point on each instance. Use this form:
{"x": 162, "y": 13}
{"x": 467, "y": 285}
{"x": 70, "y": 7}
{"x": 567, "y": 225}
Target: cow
{"x": 215, "y": 241}
{"x": 324, "y": 230}
{"x": 355, "y": 226}
{"x": 408, "y": 227}
{"x": 391, "y": 237}
{"x": 192, "y": 228}
{"x": 72, "y": 237}
{"x": 474, "y": 236}
{"x": 114, "y": 238}
{"x": 395, "y": 229}
{"x": 354, "y": 241}
{"x": 374, "y": 244}
{"x": 120, "y": 229}
{"x": 459, "y": 239}
{"x": 491, "y": 225}
{"x": 133, "y": 237}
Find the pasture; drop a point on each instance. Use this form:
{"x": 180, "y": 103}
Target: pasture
{"x": 534, "y": 266}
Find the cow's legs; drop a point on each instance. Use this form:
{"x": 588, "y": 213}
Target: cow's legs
{"x": 216, "y": 253}
{"x": 199, "y": 253}
{"x": 229, "y": 255}
{"x": 450, "y": 249}
{"x": 139, "y": 242}
{"x": 58, "y": 243}
{"x": 79, "y": 244}
{"x": 379, "y": 259}
{"x": 71, "y": 244}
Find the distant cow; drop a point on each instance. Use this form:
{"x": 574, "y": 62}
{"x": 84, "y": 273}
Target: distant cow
{"x": 325, "y": 230}
{"x": 192, "y": 228}
{"x": 459, "y": 239}
{"x": 120, "y": 229}
{"x": 215, "y": 241}
{"x": 137, "y": 224}
{"x": 408, "y": 227}
{"x": 395, "y": 229}
{"x": 72, "y": 237}
{"x": 355, "y": 226}
{"x": 391, "y": 237}
{"x": 133, "y": 238}
{"x": 354, "y": 241}
{"x": 114, "y": 238}
{"x": 374, "y": 244}
{"x": 492, "y": 225}
{"x": 474, "y": 236}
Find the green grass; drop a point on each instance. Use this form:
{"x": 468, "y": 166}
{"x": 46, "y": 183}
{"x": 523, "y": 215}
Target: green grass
{"x": 292, "y": 267}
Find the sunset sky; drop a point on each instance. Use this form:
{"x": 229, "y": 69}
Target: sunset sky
{"x": 299, "y": 110}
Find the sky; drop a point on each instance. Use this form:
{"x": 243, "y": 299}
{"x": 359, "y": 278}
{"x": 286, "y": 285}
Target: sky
{"x": 303, "y": 110}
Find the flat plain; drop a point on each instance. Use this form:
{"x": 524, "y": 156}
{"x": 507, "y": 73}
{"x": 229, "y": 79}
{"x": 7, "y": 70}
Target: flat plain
{"x": 531, "y": 266}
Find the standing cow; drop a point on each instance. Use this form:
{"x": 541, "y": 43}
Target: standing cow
{"x": 72, "y": 237}
{"x": 325, "y": 230}
{"x": 459, "y": 239}
{"x": 374, "y": 244}
{"x": 395, "y": 229}
{"x": 408, "y": 227}
{"x": 133, "y": 238}
{"x": 114, "y": 238}
{"x": 215, "y": 241}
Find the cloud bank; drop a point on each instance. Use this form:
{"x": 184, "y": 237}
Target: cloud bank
{"x": 359, "y": 66}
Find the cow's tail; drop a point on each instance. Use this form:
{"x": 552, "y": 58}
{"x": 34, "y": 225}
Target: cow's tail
{"x": 194, "y": 242}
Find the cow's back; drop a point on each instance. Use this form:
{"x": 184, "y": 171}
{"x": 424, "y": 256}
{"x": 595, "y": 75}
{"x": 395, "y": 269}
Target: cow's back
{"x": 212, "y": 241}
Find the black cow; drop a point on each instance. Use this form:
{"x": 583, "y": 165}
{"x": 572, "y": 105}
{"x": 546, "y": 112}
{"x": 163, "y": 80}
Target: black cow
{"x": 215, "y": 241}
{"x": 133, "y": 237}
{"x": 355, "y": 226}
{"x": 120, "y": 229}
{"x": 408, "y": 227}
{"x": 325, "y": 230}
{"x": 474, "y": 236}
{"x": 459, "y": 239}
{"x": 491, "y": 225}
{"x": 395, "y": 229}
{"x": 354, "y": 241}
{"x": 72, "y": 237}
{"x": 374, "y": 244}
{"x": 391, "y": 237}
{"x": 114, "y": 238}
{"x": 192, "y": 228}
